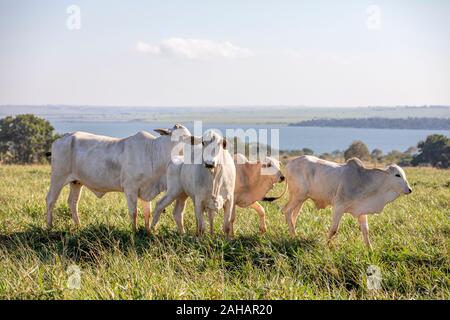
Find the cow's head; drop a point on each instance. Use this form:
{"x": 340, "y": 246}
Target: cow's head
{"x": 270, "y": 168}
{"x": 397, "y": 180}
{"x": 214, "y": 146}
{"x": 209, "y": 149}
{"x": 177, "y": 133}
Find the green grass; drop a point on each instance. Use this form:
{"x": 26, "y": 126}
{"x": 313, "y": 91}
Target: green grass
{"x": 410, "y": 239}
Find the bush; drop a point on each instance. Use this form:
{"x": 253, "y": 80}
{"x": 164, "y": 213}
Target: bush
{"x": 357, "y": 149}
{"x": 435, "y": 150}
{"x": 25, "y": 139}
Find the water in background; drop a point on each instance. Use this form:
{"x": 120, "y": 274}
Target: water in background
{"x": 291, "y": 138}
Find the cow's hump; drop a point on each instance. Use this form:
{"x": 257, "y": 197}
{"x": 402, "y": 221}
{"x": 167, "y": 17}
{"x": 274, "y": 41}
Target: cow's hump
{"x": 355, "y": 162}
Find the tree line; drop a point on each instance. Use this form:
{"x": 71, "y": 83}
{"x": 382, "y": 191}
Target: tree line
{"x": 379, "y": 123}
{"x": 25, "y": 139}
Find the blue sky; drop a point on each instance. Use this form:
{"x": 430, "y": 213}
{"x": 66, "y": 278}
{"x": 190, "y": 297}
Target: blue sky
{"x": 164, "y": 53}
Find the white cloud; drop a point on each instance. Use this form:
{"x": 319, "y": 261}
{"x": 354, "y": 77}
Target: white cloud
{"x": 194, "y": 49}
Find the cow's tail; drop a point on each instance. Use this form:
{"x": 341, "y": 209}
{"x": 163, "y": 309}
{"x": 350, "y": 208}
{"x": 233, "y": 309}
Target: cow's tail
{"x": 48, "y": 154}
{"x": 272, "y": 199}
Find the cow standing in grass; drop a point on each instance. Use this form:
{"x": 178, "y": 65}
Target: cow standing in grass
{"x": 253, "y": 181}
{"x": 348, "y": 187}
{"x": 208, "y": 179}
{"x": 135, "y": 165}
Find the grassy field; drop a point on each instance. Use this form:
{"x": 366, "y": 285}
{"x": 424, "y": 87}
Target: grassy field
{"x": 410, "y": 239}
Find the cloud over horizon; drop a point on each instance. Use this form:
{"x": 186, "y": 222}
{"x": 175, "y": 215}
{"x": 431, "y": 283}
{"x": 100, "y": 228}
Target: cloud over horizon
{"x": 193, "y": 49}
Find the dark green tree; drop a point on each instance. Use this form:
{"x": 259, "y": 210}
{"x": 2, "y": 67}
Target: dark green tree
{"x": 25, "y": 139}
{"x": 435, "y": 150}
{"x": 377, "y": 156}
{"x": 357, "y": 149}
{"x": 307, "y": 151}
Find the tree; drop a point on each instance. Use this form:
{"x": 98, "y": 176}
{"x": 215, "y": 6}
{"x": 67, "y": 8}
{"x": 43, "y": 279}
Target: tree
{"x": 357, "y": 149}
{"x": 337, "y": 154}
{"x": 411, "y": 150}
{"x": 395, "y": 156}
{"x": 376, "y": 155}
{"x": 326, "y": 156}
{"x": 307, "y": 152}
{"x": 435, "y": 150}
{"x": 25, "y": 139}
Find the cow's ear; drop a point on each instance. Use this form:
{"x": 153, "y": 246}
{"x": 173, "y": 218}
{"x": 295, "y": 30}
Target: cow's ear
{"x": 163, "y": 132}
{"x": 390, "y": 168}
{"x": 192, "y": 140}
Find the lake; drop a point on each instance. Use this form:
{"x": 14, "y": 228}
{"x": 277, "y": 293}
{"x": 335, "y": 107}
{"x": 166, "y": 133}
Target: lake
{"x": 291, "y": 138}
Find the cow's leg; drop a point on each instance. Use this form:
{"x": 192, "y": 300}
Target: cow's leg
{"x": 364, "y": 226}
{"x": 178, "y": 213}
{"x": 232, "y": 219}
{"x": 262, "y": 216}
{"x": 211, "y": 214}
{"x": 198, "y": 208}
{"x": 166, "y": 200}
{"x": 74, "y": 196}
{"x": 337, "y": 215}
{"x": 147, "y": 207}
{"x": 56, "y": 184}
{"x": 288, "y": 210}
{"x": 132, "y": 197}
{"x": 296, "y": 212}
{"x": 229, "y": 210}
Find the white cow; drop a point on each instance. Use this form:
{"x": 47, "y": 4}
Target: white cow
{"x": 348, "y": 187}
{"x": 209, "y": 181}
{"x": 135, "y": 165}
{"x": 253, "y": 181}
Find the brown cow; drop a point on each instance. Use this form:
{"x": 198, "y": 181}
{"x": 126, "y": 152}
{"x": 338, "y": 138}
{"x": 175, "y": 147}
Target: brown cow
{"x": 253, "y": 181}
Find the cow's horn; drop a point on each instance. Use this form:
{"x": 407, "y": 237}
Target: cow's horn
{"x": 163, "y": 132}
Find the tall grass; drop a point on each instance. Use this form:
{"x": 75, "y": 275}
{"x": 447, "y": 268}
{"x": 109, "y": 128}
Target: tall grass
{"x": 410, "y": 239}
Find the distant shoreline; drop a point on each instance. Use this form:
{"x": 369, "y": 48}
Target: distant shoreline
{"x": 235, "y": 123}
{"x": 379, "y": 123}
{"x": 258, "y": 115}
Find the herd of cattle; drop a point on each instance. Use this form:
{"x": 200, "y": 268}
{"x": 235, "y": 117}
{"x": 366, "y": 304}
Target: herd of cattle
{"x": 143, "y": 166}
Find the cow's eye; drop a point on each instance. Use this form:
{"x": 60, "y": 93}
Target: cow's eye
{"x": 269, "y": 164}
{"x": 398, "y": 176}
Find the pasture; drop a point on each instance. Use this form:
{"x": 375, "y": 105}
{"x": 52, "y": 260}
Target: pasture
{"x": 410, "y": 246}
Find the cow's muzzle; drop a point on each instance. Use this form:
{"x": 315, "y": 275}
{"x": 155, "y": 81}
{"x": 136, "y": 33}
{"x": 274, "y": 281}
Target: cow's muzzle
{"x": 409, "y": 191}
{"x": 282, "y": 178}
{"x": 210, "y": 165}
